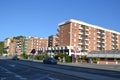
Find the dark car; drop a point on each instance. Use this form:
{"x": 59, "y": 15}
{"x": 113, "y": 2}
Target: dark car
{"x": 15, "y": 57}
{"x": 50, "y": 60}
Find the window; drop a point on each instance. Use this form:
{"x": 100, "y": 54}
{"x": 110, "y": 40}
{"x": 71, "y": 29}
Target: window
{"x": 74, "y": 40}
{"x": 74, "y": 44}
{"x": 74, "y": 35}
{"x": 75, "y": 25}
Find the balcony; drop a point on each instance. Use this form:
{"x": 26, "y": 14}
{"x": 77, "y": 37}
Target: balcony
{"x": 86, "y": 29}
{"x": 103, "y": 37}
{"x": 98, "y": 45}
{"x": 98, "y": 40}
{"x": 103, "y": 33}
{"x": 86, "y": 44}
{"x": 80, "y": 37}
{"x": 86, "y": 39}
{"x": 86, "y": 49}
{"x": 86, "y": 33}
{"x": 98, "y": 37}
{"x": 103, "y": 41}
{"x": 80, "y": 43}
{"x": 80, "y": 27}
{"x": 103, "y": 46}
{"x": 80, "y": 32}
{"x": 114, "y": 36}
{"x": 98, "y": 32}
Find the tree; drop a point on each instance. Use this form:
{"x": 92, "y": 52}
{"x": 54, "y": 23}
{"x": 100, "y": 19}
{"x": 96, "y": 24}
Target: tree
{"x": 1, "y": 47}
{"x": 18, "y": 37}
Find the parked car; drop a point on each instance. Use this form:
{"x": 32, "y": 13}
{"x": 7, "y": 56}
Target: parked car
{"x": 50, "y": 60}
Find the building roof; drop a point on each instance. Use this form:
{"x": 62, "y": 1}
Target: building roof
{"x": 105, "y": 54}
{"x": 87, "y": 24}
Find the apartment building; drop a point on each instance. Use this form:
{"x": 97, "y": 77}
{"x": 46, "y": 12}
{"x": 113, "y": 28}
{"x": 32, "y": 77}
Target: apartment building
{"x": 34, "y": 43}
{"x": 28, "y": 44}
{"x": 10, "y": 46}
{"x": 83, "y": 37}
{"x": 14, "y": 45}
{"x": 52, "y": 41}
{"x": 7, "y": 42}
{"x": 20, "y": 45}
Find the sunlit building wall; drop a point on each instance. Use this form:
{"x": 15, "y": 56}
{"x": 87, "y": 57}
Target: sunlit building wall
{"x": 87, "y": 37}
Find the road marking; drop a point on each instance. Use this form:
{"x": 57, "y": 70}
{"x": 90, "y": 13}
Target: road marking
{"x": 7, "y": 71}
{"x": 48, "y": 77}
{"x": 53, "y": 78}
{"x": 2, "y": 78}
{"x": 20, "y": 77}
{"x": 12, "y": 65}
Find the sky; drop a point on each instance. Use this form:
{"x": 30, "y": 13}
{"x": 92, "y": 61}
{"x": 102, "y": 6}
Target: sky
{"x": 41, "y": 17}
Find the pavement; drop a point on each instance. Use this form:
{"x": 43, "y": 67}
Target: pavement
{"x": 75, "y": 73}
{"x": 113, "y": 67}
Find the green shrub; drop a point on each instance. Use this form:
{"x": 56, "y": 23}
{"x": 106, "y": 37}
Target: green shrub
{"x": 38, "y": 57}
{"x": 24, "y": 56}
{"x": 61, "y": 55}
{"x": 68, "y": 59}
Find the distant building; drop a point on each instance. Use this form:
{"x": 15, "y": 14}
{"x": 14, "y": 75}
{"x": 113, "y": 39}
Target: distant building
{"x": 24, "y": 44}
{"x": 19, "y": 45}
{"x": 10, "y": 45}
{"x": 34, "y": 43}
{"x": 7, "y": 44}
{"x": 52, "y": 41}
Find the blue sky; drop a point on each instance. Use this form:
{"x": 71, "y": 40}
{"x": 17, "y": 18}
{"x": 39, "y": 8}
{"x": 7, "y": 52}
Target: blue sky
{"x": 41, "y": 17}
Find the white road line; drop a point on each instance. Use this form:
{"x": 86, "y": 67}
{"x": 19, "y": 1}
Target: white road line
{"x": 53, "y": 78}
{"x": 7, "y": 71}
{"x": 20, "y": 77}
{"x": 12, "y": 65}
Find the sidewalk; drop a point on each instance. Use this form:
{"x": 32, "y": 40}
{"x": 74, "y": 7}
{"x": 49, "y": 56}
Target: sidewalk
{"x": 114, "y": 67}
{"x": 96, "y": 66}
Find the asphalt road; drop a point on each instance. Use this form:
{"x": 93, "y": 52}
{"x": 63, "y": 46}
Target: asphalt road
{"x": 93, "y": 69}
{"x": 11, "y": 70}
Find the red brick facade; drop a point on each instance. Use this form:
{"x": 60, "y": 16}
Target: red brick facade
{"x": 86, "y": 36}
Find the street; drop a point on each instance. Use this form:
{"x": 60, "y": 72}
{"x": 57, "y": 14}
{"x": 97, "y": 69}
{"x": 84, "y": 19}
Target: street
{"x": 10, "y": 70}
{"x": 36, "y": 70}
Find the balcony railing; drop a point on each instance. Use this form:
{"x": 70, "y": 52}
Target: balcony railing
{"x": 103, "y": 33}
{"x": 80, "y": 32}
{"x": 86, "y": 39}
{"x": 98, "y": 32}
{"x": 87, "y": 29}
{"x": 80, "y": 27}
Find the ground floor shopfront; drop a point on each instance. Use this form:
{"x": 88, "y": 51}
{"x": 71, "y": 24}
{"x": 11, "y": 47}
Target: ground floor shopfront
{"x": 105, "y": 57}
{"x": 62, "y": 49}
{"x": 76, "y": 54}
{"x": 98, "y": 57}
